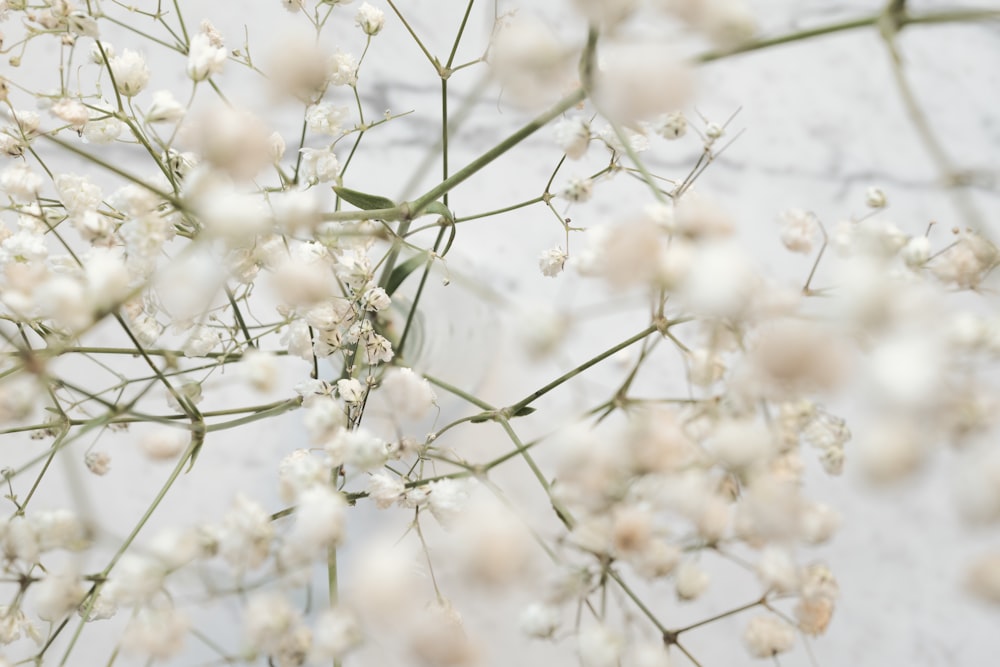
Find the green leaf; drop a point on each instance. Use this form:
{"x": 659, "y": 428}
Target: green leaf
{"x": 400, "y": 273}
{"x": 524, "y": 412}
{"x": 363, "y": 200}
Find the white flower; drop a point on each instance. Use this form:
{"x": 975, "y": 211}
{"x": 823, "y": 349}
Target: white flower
{"x": 58, "y": 529}
{"x": 324, "y": 417}
{"x": 337, "y": 632}
{"x": 299, "y": 471}
{"x": 875, "y": 198}
{"x": 916, "y": 252}
{"x": 578, "y": 190}
{"x": 245, "y": 537}
{"x": 343, "y": 69}
{"x": 102, "y": 130}
{"x": 351, "y": 390}
{"x": 573, "y": 137}
{"x": 130, "y": 72}
{"x": 447, "y": 497}
{"x": 325, "y": 118}
{"x": 13, "y": 622}
{"x": 98, "y": 463}
{"x": 206, "y": 56}
{"x": 370, "y": 19}
{"x": 164, "y": 444}
{"x": 385, "y": 489}
{"x": 260, "y": 369}
{"x": 777, "y": 570}
{"x": 157, "y": 634}
{"x": 276, "y": 146}
{"x": 672, "y": 125}
{"x": 319, "y": 165}
{"x": 296, "y": 337}
{"x": 95, "y": 51}
{"x": 271, "y": 624}
{"x": 690, "y": 580}
{"x": 408, "y": 395}
{"x": 165, "y": 108}
{"x": 552, "y": 261}
{"x": 200, "y": 342}
{"x": 599, "y": 647}
{"x": 378, "y": 349}
{"x": 71, "y": 111}
{"x": 20, "y": 182}
{"x": 767, "y": 636}
{"x": 375, "y": 299}
{"x": 319, "y": 525}
{"x": 77, "y": 193}
{"x": 637, "y": 81}
{"x": 798, "y": 230}
{"x": 539, "y": 620}
{"x": 136, "y": 579}
{"x": 358, "y": 449}
{"x": 58, "y": 594}
{"x": 80, "y": 23}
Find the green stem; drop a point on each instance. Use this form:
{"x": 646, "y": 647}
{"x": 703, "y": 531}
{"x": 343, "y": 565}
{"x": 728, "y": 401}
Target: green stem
{"x": 489, "y": 156}
{"x": 947, "y": 16}
{"x": 527, "y": 400}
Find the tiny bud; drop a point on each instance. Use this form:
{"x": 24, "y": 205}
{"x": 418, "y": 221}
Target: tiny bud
{"x": 875, "y": 198}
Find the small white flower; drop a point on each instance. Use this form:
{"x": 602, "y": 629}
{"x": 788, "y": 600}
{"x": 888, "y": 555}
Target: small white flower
{"x": 319, "y": 525}
{"x": 672, "y": 125}
{"x": 358, "y": 449}
{"x": 299, "y": 471}
{"x": 71, "y": 111}
{"x": 58, "y": 594}
{"x": 875, "y": 198}
{"x": 130, "y": 72}
{"x": 370, "y": 19}
{"x": 385, "y": 489}
{"x": 690, "y": 580}
{"x": 165, "y": 108}
{"x": 102, "y": 130}
{"x": 157, "y": 634}
{"x": 206, "y": 56}
{"x": 375, "y": 299}
{"x": 599, "y": 647}
{"x": 767, "y": 636}
{"x": 408, "y": 395}
{"x": 351, "y": 390}
{"x": 539, "y": 620}
{"x": 916, "y": 252}
{"x": 20, "y": 182}
{"x": 378, "y": 349}
{"x": 245, "y": 536}
{"x": 80, "y": 23}
{"x": 164, "y": 444}
{"x": 447, "y": 497}
{"x": 552, "y": 261}
{"x": 343, "y": 69}
{"x": 319, "y": 165}
{"x": 573, "y": 137}
{"x": 276, "y": 145}
{"x": 98, "y": 463}
{"x": 337, "y": 632}
{"x": 578, "y": 190}
{"x": 260, "y": 369}
{"x": 325, "y": 118}
{"x": 798, "y": 230}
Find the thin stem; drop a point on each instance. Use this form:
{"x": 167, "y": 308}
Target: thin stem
{"x": 527, "y": 400}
